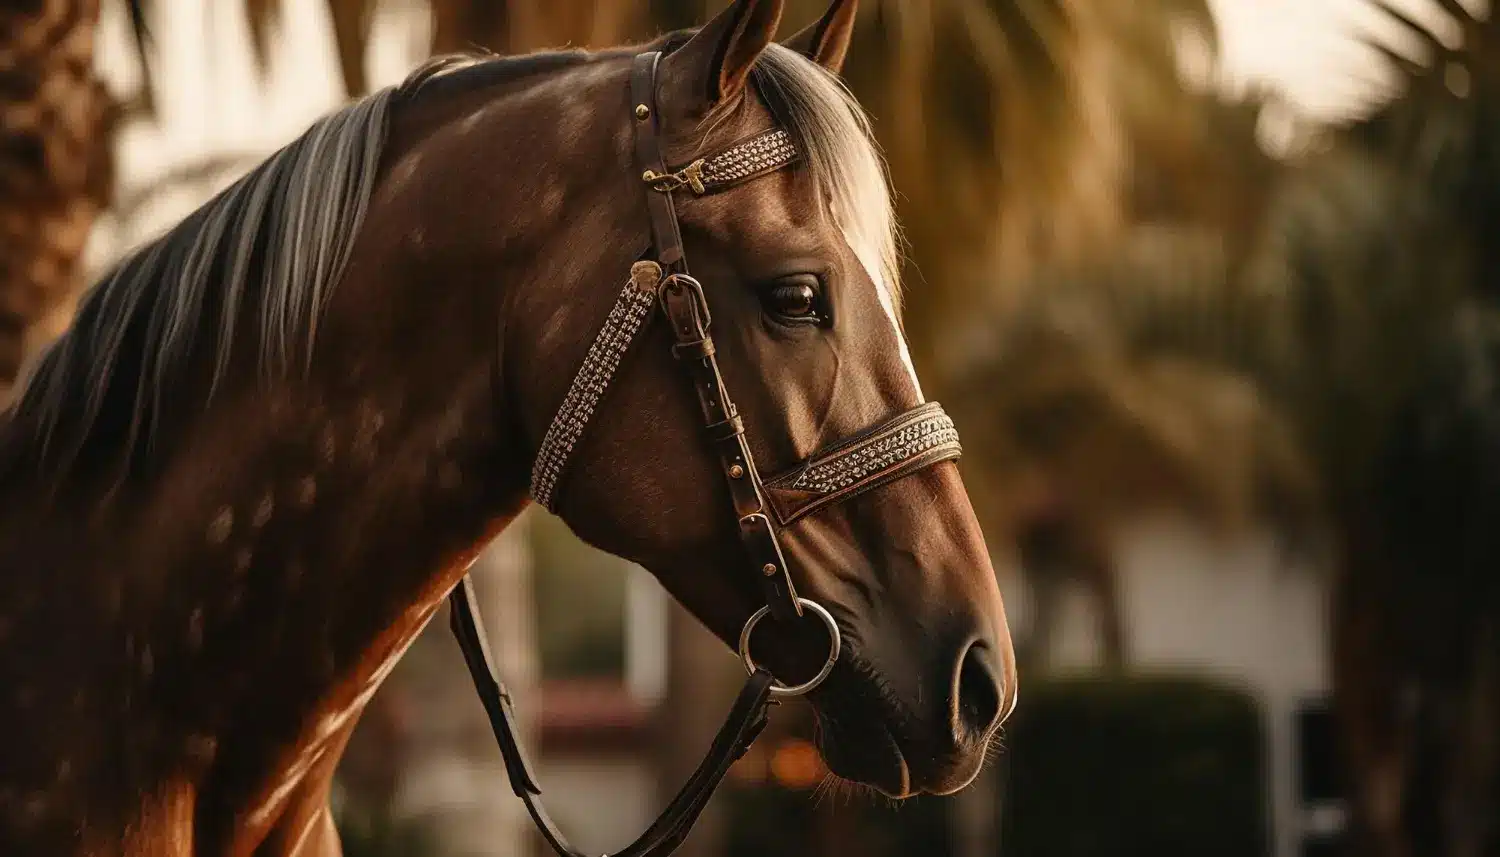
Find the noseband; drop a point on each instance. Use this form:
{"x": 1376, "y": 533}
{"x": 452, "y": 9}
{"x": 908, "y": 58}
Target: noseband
{"x": 898, "y": 447}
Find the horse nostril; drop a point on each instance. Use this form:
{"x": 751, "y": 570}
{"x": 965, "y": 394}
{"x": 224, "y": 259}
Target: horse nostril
{"x": 978, "y": 694}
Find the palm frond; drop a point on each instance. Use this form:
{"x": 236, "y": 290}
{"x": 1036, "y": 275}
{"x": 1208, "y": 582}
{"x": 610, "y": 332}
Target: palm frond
{"x": 141, "y": 41}
{"x": 1138, "y": 386}
{"x": 352, "y": 21}
{"x": 1442, "y": 127}
{"x": 1018, "y": 132}
{"x": 262, "y": 17}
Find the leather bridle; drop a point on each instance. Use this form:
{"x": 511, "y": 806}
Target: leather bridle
{"x": 903, "y": 445}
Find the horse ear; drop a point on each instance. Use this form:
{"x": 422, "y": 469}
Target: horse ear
{"x": 718, "y": 58}
{"x": 826, "y": 42}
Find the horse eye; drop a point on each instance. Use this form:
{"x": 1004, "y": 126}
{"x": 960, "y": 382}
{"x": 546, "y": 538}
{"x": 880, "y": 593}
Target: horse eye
{"x": 796, "y": 301}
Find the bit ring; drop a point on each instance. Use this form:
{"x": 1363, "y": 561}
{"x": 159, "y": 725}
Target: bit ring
{"x": 777, "y": 688}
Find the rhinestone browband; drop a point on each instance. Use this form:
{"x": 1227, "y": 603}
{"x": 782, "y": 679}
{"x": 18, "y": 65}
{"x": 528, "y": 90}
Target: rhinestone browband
{"x": 761, "y": 154}
{"x": 589, "y": 385}
{"x": 764, "y": 153}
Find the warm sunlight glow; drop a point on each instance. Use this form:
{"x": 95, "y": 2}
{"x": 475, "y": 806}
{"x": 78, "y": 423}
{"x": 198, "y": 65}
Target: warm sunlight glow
{"x": 796, "y": 765}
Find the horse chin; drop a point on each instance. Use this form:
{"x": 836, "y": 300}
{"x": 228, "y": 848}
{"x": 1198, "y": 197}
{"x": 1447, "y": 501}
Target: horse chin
{"x": 870, "y": 758}
{"x": 868, "y": 739}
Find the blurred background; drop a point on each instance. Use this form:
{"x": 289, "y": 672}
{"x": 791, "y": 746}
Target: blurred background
{"x": 1208, "y": 287}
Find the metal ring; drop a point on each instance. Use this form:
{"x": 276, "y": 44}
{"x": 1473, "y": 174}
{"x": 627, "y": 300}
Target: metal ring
{"x": 777, "y": 688}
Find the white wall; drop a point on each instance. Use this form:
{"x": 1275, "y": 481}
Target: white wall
{"x": 1239, "y": 611}
{"x": 210, "y": 99}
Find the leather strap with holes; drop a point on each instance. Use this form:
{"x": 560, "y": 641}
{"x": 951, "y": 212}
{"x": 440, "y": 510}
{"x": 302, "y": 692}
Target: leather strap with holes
{"x": 686, "y": 307}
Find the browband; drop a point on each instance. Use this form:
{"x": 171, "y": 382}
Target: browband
{"x": 751, "y": 158}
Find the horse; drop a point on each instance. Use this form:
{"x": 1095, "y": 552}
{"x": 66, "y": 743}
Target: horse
{"x": 274, "y": 438}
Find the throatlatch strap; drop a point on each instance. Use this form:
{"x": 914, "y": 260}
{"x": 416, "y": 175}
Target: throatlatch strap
{"x": 686, "y": 307}
{"x": 625, "y": 320}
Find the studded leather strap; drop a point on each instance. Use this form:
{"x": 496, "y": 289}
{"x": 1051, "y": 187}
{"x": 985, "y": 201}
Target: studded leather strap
{"x": 631, "y": 311}
{"x": 896, "y": 448}
{"x": 748, "y": 159}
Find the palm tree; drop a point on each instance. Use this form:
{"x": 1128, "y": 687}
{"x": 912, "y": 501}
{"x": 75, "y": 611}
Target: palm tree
{"x": 963, "y": 92}
{"x": 1330, "y": 367}
{"x": 56, "y": 167}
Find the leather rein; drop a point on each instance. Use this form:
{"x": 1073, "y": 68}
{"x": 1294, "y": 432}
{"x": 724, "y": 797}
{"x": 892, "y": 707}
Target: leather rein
{"x": 900, "y": 446}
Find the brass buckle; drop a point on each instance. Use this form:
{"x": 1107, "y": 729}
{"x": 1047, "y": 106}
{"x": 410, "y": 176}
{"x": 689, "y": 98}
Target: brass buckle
{"x": 689, "y": 176}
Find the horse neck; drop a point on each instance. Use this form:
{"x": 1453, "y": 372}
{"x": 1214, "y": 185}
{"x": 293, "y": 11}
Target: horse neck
{"x": 224, "y": 616}
{"x": 238, "y": 607}
{"x": 413, "y": 453}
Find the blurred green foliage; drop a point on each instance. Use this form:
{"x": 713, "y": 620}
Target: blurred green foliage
{"x": 580, "y": 603}
{"x": 1134, "y": 767}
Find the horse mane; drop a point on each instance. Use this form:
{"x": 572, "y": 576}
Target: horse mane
{"x": 269, "y": 248}
{"x": 272, "y": 246}
{"x": 834, "y": 133}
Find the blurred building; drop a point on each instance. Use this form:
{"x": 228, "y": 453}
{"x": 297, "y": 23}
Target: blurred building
{"x": 1243, "y": 612}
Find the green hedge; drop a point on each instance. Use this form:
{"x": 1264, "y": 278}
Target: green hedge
{"x": 1155, "y": 767}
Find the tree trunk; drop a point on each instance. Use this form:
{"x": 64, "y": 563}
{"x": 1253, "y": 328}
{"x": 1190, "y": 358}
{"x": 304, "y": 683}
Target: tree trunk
{"x": 56, "y": 166}
{"x": 1068, "y": 548}
{"x": 526, "y": 25}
